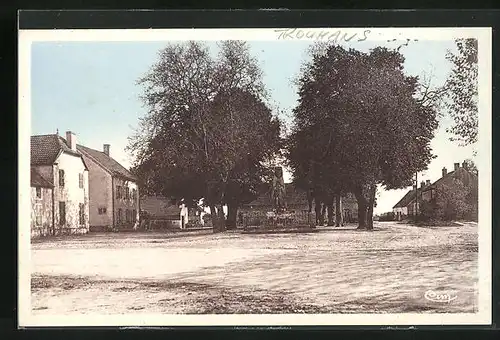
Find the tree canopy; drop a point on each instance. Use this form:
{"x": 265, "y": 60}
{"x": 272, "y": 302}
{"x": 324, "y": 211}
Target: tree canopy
{"x": 208, "y": 131}
{"x": 360, "y": 122}
{"x": 462, "y": 87}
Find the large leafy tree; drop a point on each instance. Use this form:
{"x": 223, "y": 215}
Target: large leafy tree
{"x": 462, "y": 87}
{"x": 208, "y": 130}
{"x": 360, "y": 122}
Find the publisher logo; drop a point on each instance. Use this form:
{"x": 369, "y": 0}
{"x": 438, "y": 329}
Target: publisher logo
{"x": 439, "y": 297}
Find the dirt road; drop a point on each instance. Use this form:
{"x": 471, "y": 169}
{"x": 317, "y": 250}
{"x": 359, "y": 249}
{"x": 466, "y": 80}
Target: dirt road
{"x": 337, "y": 270}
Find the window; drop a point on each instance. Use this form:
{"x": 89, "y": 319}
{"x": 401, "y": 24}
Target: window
{"x": 127, "y": 215}
{"x": 38, "y": 192}
{"x": 80, "y": 180}
{"x": 61, "y": 178}
{"x": 38, "y": 214}
{"x": 62, "y": 213}
{"x": 119, "y": 216}
{"x": 118, "y": 192}
{"x": 134, "y": 215}
{"x": 134, "y": 194}
{"x": 81, "y": 213}
{"x": 101, "y": 211}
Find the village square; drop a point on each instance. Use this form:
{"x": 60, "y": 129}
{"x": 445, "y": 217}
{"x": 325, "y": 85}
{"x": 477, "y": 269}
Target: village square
{"x": 347, "y": 201}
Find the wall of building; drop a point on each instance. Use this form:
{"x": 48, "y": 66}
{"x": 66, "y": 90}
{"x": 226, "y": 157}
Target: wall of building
{"x": 428, "y": 194}
{"x": 100, "y": 197}
{"x": 71, "y": 194}
{"x": 41, "y": 212}
{"x": 400, "y": 212}
{"x": 122, "y": 204}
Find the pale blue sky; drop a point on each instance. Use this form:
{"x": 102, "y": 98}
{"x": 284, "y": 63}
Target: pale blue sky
{"x": 90, "y": 88}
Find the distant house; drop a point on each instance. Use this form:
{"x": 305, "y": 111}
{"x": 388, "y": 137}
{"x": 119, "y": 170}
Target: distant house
{"x": 113, "y": 192}
{"x": 162, "y": 212}
{"x": 59, "y": 186}
{"x": 402, "y": 209}
{"x": 409, "y": 205}
{"x": 295, "y": 201}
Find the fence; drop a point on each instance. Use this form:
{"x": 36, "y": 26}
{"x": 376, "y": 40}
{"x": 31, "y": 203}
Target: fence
{"x": 273, "y": 220}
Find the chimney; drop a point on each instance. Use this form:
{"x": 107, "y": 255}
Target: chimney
{"x": 444, "y": 172}
{"x": 414, "y": 187}
{"x": 464, "y": 165}
{"x": 71, "y": 140}
{"x": 105, "y": 149}
{"x": 428, "y": 182}
{"x": 457, "y": 165}
{"x": 422, "y": 184}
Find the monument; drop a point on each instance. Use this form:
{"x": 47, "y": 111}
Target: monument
{"x": 278, "y": 191}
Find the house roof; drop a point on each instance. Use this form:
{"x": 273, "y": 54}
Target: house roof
{"x": 37, "y": 179}
{"x": 410, "y": 195}
{"x": 159, "y": 206}
{"x": 107, "y": 162}
{"x": 407, "y": 198}
{"x": 263, "y": 199}
{"x": 46, "y": 148}
{"x": 436, "y": 183}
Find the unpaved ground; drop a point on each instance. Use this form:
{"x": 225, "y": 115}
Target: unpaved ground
{"x": 337, "y": 270}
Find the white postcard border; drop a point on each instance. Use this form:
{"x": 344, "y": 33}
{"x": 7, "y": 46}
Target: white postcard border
{"x": 27, "y": 319}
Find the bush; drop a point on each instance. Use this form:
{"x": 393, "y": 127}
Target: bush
{"x": 388, "y": 216}
{"x": 428, "y": 211}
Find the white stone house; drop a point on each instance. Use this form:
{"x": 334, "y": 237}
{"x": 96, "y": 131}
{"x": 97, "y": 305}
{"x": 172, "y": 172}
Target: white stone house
{"x": 59, "y": 186}
{"x": 113, "y": 192}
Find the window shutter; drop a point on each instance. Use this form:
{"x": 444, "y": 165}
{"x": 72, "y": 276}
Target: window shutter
{"x": 61, "y": 178}
{"x": 62, "y": 213}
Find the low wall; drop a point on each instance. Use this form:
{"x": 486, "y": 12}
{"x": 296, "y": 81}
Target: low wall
{"x": 269, "y": 219}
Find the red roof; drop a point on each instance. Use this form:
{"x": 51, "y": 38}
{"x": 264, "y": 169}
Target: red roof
{"x": 106, "y": 162}
{"x": 46, "y": 148}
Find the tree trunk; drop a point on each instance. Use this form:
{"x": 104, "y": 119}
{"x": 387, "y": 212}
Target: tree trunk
{"x": 338, "y": 211}
{"x": 322, "y": 216}
{"x": 362, "y": 207}
{"x": 215, "y": 218}
{"x": 371, "y": 202}
{"x": 330, "y": 213}
{"x": 317, "y": 209}
{"x": 221, "y": 219}
{"x": 232, "y": 214}
{"x": 369, "y": 217}
{"x": 309, "y": 201}
{"x": 362, "y": 214}
{"x": 366, "y": 199}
